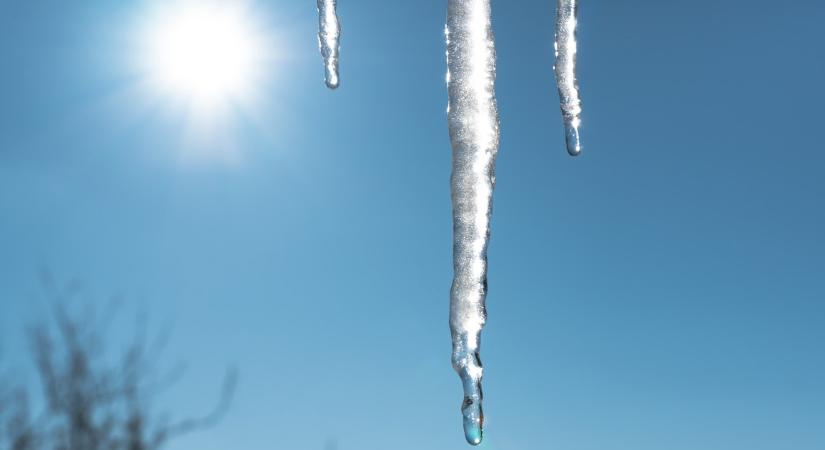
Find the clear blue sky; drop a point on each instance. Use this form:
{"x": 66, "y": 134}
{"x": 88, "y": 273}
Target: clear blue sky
{"x": 665, "y": 290}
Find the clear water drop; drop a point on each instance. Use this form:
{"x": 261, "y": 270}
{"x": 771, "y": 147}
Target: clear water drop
{"x": 473, "y": 429}
{"x": 571, "y": 139}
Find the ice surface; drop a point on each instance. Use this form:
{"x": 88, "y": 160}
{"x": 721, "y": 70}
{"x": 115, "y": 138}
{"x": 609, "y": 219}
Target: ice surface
{"x": 329, "y": 36}
{"x": 566, "y": 73}
{"x": 474, "y": 134}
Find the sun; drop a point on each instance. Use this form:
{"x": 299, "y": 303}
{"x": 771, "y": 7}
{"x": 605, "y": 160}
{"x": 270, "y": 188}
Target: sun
{"x": 207, "y": 55}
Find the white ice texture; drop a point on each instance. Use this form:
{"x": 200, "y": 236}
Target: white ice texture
{"x": 565, "y": 69}
{"x": 474, "y": 134}
{"x": 329, "y": 37}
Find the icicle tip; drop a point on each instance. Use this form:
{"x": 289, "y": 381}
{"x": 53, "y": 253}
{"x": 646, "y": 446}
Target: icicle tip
{"x": 571, "y": 137}
{"x": 332, "y": 82}
{"x": 473, "y": 433}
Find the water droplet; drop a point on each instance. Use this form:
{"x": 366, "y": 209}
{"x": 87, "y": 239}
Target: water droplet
{"x": 473, "y": 421}
{"x": 571, "y": 137}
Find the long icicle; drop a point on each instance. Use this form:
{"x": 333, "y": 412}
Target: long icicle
{"x": 566, "y": 73}
{"x": 474, "y": 134}
{"x": 329, "y": 36}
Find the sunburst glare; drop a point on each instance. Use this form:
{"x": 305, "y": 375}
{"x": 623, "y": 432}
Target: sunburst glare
{"x": 207, "y": 66}
{"x": 209, "y": 56}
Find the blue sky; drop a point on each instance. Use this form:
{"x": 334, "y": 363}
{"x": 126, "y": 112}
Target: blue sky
{"x": 665, "y": 290}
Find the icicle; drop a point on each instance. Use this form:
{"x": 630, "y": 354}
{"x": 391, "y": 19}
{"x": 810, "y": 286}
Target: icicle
{"x": 566, "y": 73}
{"x": 329, "y": 35}
{"x": 474, "y": 134}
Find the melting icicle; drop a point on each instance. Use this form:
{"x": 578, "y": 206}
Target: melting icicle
{"x": 329, "y": 36}
{"x": 474, "y": 134}
{"x": 566, "y": 73}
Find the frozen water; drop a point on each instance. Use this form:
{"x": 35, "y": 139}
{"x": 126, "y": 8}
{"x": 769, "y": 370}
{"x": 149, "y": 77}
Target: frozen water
{"x": 566, "y": 73}
{"x": 329, "y": 36}
{"x": 474, "y": 134}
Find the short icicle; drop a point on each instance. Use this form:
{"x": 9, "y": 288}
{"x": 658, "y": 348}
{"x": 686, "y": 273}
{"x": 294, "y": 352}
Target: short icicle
{"x": 329, "y": 36}
{"x": 565, "y": 69}
{"x": 474, "y": 134}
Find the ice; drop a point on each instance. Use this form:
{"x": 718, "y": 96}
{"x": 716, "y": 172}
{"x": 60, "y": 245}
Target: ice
{"x": 474, "y": 134}
{"x": 329, "y": 36}
{"x": 566, "y": 73}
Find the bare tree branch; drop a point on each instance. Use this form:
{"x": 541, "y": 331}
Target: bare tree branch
{"x": 93, "y": 401}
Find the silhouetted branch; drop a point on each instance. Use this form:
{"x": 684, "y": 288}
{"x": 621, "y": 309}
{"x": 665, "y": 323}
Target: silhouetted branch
{"x": 207, "y": 421}
{"x": 92, "y": 401}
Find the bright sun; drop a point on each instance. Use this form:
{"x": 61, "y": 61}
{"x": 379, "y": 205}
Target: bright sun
{"x": 206, "y": 54}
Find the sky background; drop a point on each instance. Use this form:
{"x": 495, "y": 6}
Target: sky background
{"x": 665, "y": 290}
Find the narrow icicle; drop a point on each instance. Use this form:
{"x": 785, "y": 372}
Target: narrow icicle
{"x": 474, "y": 134}
{"x": 566, "y": 73}
{"x": 329, "y": 36}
